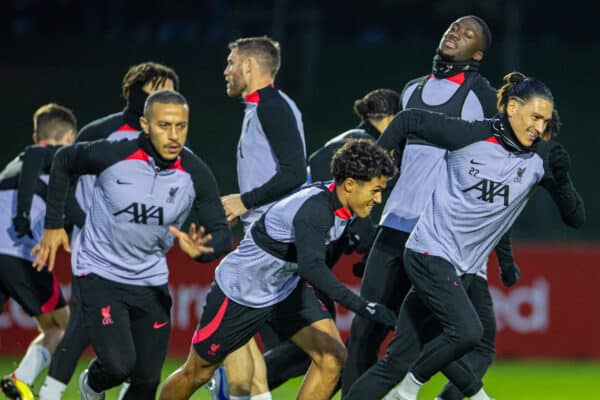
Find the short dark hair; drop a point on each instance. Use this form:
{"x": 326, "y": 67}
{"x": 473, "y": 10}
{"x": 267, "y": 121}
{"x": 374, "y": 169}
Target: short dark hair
{"x": 485, "y": 29}
{"x": 361, "y": 159}
{"x": 53, "y": 121}
{"x": 163, "y": 97}
{"x": 378, "y": 103}
{"x": 145, "y": 72}
{"x": 522, "y": 88}
{"x": 265, "y": 50}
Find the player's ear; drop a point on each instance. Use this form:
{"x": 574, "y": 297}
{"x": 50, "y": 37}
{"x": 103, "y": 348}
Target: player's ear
{"x": 34, "y": 137}
{"x": 144, "y": 124}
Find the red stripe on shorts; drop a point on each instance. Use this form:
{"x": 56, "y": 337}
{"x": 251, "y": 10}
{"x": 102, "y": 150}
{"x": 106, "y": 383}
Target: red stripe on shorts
{"x": 211, "y": 327}
{"x": 52, "y": 302}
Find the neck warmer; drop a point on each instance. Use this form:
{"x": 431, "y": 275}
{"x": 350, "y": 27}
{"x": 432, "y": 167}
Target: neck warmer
{"x": 444, "y": 69}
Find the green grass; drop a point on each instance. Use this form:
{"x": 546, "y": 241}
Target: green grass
{"x": 514, "y": 380}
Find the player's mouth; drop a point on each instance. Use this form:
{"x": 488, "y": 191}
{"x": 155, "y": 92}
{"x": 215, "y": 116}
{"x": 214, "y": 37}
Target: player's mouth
{"x": 450, "y": 43}
{"x": 173, "y": 148}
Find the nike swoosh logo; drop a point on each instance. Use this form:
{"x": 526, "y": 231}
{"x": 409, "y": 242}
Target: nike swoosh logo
{"x": 120, "y": 182}
{"x": 158, "y": 325}
{"x": 476, "y": 163}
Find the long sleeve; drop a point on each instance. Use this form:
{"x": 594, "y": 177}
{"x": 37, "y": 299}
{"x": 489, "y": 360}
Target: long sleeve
{"x": 209, "y": 211}
{"x": 559, "y": 184}
{"x": 311, "y": 224}
{"x": 447, "y": 132}
{"x": 83, "y": 158}
{"x": 36, "y": 160}
{"x": 280, "y": 128}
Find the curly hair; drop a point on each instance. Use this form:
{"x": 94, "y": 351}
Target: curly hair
{"x": 143, "y": 73}
{"x": 361, "y": 159}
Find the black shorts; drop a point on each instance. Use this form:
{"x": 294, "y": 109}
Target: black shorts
{"x": 37, "y": 292}
{"x": 226, "y": 325}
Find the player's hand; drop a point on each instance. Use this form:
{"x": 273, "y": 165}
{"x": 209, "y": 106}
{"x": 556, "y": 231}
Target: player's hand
{"x": 510, "y": 275}
{"x": 22, "y": 226}
{"x": 379, "y": 313}
{"x": 560, "y": 163}
{"x": 45, "y": 250}
{"x": 193, "y": 243}
{"x": 233, "y": 205}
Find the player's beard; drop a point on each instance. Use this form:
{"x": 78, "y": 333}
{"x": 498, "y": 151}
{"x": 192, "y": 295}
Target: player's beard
{"x": 235, "y": 86}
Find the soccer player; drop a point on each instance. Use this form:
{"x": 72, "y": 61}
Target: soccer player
{"x": 139, "y": 82}
{"x": 375, "y": 110}
{"x": 271, "y": 163}
{"x": 144, "y": 191}
{"x": 456, "y": 88}
{"x": 22, "y": 209}
{"x": 462, "y": 222}
{"x": 272, "y": 275}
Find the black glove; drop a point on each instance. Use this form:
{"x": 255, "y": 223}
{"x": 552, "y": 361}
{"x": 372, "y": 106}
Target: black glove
{"x": 510, "y": 275}
{"x": 378, "y": 313}
{"x": 560, "y": 163}
{"x": 22, "y": 227}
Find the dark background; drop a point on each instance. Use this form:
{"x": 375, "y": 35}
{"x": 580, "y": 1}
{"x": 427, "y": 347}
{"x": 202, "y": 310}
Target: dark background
{"x": 76, "y": 53}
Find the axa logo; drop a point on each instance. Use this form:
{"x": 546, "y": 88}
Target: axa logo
{"x": 143, "y": 214}
{"x": 490, "y": 191}
{"x": 106, "y": 318}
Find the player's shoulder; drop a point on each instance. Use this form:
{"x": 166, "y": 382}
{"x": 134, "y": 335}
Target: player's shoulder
{"x": 482, "y": 86}
{"x": 193, "y": 163}
{"x": 101, "y": 127}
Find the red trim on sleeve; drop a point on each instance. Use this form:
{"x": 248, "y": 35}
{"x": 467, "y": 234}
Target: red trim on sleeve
{"x": 52, "y": 302}
{"x": 127, "y": 128}
{"x": 492, "y": 139}
{"x": 210, "y": 328}
{"x": 139, "y": 154}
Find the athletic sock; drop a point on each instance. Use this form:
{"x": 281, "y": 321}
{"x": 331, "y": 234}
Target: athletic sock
{"x": 262, "y": 396}
{"x": 124, "y": 388}
{"x": 409, "y": 387}
{"x": 36, "y": 359}
{"x": 52, "y": 389}
{"x": 480, "y": 395}
{"x": 239, "y": 398}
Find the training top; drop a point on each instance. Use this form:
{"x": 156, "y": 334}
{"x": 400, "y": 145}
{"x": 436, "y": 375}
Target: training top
{"x": 299, "y": 237}
{"x": 271, "y": 152}
{"x": 467, "y": 95}
{"x": 486, "y": 182}
{"x": 136, "y": 197}
{"x": 114, "y": 127}
{"x": 23, "y": 186}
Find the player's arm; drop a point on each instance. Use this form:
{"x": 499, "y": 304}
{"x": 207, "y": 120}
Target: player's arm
{"x": 559, "y": 185}
{"x": 210, "y": 217}
{"x": 82, "y": 158}
{"x": 281, "y": 131}
{"x": 311, "y": 224}
{"x": 36, "y": 160}
{"x": 509, "y": 271}
{"x": 447, "y": 132}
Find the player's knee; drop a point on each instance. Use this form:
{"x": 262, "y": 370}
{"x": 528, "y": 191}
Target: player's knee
{"x": 333, "y": 356}
{"x": 470, "y": 334}
{"x": 121, "y": 368}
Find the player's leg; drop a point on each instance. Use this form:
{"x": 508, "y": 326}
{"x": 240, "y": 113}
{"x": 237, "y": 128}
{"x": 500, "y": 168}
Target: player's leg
{"x": 150, "y": 327}
{"x": 483, "y": 355}
{"x": 412, "y": 329}
{"x": 69, "y": 350}
{"x": 225, "y": 326}
{"x": 439, "y": 288}
{"x": 105, "y": 306}
{"x": 40, "y": 296}
{"x": 304, "y": 319}
{"x": 384, "y": 281}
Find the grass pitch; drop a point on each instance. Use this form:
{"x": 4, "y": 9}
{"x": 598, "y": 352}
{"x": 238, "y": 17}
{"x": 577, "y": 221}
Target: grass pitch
{"x": 506, "y": 380}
